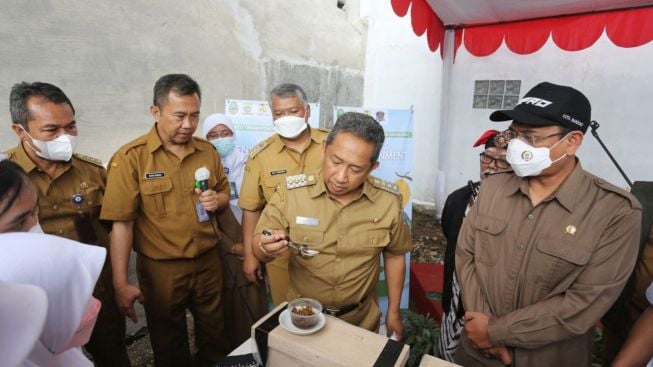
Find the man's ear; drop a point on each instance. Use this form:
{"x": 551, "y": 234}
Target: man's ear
{"x": 575, "y": 139}
{"x": 155, "y": 112}
{"x": 308, "y": 112}
{"x": 20, "y": 132}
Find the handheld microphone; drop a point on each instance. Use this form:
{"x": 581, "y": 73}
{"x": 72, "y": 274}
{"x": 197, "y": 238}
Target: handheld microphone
{"x": 202, "y": 175}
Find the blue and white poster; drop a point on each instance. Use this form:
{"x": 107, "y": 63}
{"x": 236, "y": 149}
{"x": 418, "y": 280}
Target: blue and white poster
{"x": 396, "y": 165}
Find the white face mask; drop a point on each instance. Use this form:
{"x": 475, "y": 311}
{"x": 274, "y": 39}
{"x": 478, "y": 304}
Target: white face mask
{"x": 59, "y": 149}
{"x": 36, "y": 228}
{"x": 290, "y": 126}
{"x": 527, "y": 160}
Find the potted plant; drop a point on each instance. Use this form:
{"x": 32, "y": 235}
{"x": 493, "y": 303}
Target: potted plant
{"x": 422, "y": 334}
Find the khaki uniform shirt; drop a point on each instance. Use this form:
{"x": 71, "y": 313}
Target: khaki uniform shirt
{"x": 270, "y": 162}
{"x": 546, "y": 274}
{"x": 81, "y": 175}
{"x": 350, "y": 237}
{"x": 155, "y": 188}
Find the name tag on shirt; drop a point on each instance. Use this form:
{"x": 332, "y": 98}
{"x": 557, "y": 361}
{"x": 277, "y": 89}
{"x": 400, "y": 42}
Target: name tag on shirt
{"x": 313, "y": 222}
{"x": 202, "y": 215}
{"x": 278, "y": 172}
{"x": 234, "y": 191}
{"x": 151, "y": 175}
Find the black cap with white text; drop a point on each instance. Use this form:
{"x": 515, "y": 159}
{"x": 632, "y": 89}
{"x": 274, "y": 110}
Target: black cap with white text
{"x": 550, "y": 104}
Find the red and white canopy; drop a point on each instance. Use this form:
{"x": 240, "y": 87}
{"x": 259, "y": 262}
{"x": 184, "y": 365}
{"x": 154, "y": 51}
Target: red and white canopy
{"x": 525, "y": 26}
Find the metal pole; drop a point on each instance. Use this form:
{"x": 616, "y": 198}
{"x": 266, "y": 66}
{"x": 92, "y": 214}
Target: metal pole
{"x": 594, "y": 126}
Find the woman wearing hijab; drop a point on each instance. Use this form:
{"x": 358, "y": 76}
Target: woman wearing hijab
{"x": 241, "y": 297}
{"x": 67, "y": 271}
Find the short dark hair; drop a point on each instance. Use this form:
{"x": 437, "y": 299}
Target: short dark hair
{"x": 181, "y": 84}
{"x": 361, "y": 125}
{"x": 12, "y": 181}
{"x": 287, "y": 90}
{"x": 21, "y": 92}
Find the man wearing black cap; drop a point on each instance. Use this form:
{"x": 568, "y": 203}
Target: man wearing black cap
{"x": 492, "y": 160}
{"x": 544, "y": 252}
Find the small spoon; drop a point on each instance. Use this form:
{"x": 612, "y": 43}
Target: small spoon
{"x": 303, "y": 250}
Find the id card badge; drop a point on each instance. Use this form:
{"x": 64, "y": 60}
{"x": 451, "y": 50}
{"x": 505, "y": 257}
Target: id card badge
{"x": 202, "y": 215}
{"x": 234, "y": 191}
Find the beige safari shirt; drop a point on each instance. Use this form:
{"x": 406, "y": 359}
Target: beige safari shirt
{"x": 270, "y": 162}
{"x": 350, "y": 239}
{"x": 83, "y": 176}
{"x": 151, "y": 186}
{"x": 546, "y": 274}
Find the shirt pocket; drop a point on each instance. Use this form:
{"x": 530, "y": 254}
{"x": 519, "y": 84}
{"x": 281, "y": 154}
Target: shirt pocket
{"x": 311, "y": 238}
{"x": 272, "y": 185}
{"x": 366, "y": 241}
{"x": 155, "y": 195}
{"x": 560, "y": 260}
{"x": 489, "y": 232}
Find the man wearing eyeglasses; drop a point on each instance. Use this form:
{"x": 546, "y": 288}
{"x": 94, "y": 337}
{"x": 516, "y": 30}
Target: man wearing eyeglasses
{"x": 458, "y": 203}
{"x": 544, "y": 252}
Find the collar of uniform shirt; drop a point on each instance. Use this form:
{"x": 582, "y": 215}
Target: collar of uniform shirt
{"x": 154, "y": 141}
{"x": 320, "y": 188}
{"x": 566, "y": 193}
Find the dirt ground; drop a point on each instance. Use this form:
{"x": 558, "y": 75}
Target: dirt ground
{"x": 428, "y": 247}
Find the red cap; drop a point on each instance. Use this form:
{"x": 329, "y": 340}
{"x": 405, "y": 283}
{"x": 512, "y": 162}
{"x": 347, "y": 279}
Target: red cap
{"x": 485, "y": 137}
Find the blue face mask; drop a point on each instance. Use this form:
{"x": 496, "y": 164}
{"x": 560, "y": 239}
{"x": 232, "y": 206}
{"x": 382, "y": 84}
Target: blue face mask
{"x": 225, "y": 146}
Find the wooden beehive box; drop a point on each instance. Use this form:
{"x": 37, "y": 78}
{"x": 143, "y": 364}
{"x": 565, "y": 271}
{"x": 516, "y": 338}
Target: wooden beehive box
{"x": 337, "y": 344}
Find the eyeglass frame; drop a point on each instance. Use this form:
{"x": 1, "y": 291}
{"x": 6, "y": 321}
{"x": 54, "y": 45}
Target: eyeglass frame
{"x": 532, "y": 139}
{"x": 503, "y": 165}
{"x": 224, "y": 134}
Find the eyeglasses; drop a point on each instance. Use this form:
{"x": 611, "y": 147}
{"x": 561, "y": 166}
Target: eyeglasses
{"x": 222, "y": 134}
{"x": 487, "y": 159}
{"x": 533, "y": 139}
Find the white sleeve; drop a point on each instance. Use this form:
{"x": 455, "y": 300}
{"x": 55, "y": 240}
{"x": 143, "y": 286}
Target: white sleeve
{"x": 649, "y": 294}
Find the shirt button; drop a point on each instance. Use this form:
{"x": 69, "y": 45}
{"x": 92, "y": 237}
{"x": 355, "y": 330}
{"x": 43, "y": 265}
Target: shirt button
{"x": 337, "y": 259}
{"x": 60, "y": 231}
{"x": 55, "y": 207}
{"x": 531, "y": 216}
{"x": 305, "y": 238}
{"x": 521, "y": 246}
{"x": 512, "y": 275}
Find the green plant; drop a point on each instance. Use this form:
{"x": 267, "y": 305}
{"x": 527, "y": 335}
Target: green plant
{"x": 422, "y": 334}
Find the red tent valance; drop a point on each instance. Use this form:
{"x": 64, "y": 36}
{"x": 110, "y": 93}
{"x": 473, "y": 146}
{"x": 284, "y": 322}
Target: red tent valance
{"x": 625, "y": 28}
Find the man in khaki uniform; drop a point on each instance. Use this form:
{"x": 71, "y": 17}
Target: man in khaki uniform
{"x": 351, "y": 218}
{"x": 157, "y": 210}
{"x": 544, "y": 252}
{"x": 70, "y": 188}
{"x": 294, "y": 149}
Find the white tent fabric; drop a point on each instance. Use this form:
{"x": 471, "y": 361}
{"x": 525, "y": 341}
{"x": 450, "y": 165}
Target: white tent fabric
{"x": 467, "y": 12}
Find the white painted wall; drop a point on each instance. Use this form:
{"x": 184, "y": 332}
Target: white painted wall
{"x": 616, "y": 80}
{"x": 107, "y": 55}
{"x": 400, "y": 72}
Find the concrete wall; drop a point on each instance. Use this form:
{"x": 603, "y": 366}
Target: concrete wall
{"x": 401, "y": 72}
{"x": 107, "y": 55}
{"x": 616, "y": 81}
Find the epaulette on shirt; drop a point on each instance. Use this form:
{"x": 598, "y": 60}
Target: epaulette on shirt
{"x": 256, "y": 149}
{"x": 385, "y": 185}
{"x": 301, "y": 180}
{"x": 88, "y": 159}
{"x": 634, "y": 203}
